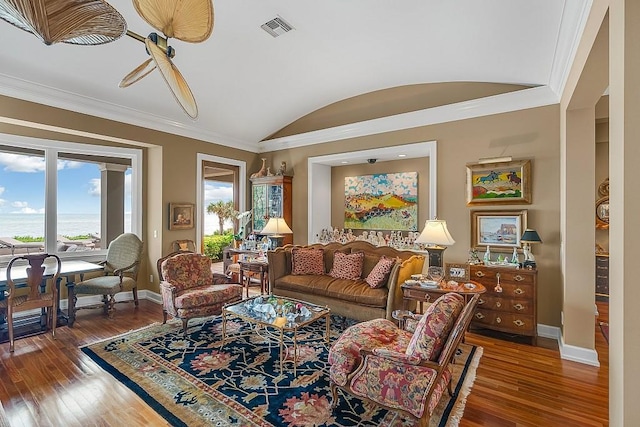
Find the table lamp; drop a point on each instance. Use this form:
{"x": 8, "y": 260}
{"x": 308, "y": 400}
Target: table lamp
{"x": 275, "y": 229}
{"x": 437, "y": 237}
{"x": 528, "y": 237}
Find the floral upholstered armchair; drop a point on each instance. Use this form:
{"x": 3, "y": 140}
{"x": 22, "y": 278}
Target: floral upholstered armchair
{"x": 402, "y": 371}
{"x": 189, "y": 289}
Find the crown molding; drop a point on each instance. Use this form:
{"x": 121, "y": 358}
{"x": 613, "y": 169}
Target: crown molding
{"x": 574, "y": 16}
{"x": 41, "y": 94}
{"x": 513, "y": 101}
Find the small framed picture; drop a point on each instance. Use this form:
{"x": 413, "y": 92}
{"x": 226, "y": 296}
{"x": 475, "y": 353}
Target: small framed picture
{"x": 456, "y": 272}
{"x": 181, "y": 216}
{"x": 501, "y": 230}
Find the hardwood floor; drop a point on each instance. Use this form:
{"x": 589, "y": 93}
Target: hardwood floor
{"x": 50, "y": 382}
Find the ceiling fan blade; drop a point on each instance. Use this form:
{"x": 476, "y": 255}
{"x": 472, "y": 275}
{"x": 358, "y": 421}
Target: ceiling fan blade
{"x": 174, "y": 79}
{"x": 139, "y": 72}
{"x": 186, "y": 20}
{"x": 82, "y": 22}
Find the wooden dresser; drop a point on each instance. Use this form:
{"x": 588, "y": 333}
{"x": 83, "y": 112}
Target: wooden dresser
{"x": 510, "y": 307}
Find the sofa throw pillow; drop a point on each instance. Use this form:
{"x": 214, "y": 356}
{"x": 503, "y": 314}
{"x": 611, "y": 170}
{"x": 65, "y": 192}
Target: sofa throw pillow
{"x": 347, "y": 266}
{"x": 378, "y": 277}
{"x": 307, "y": 261}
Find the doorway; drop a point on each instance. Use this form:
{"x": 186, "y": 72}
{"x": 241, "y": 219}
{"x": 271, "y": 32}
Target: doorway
{"x": 221, "y": 179}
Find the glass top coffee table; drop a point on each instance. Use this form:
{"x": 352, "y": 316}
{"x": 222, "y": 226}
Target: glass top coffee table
{"x": 277, "y": 318}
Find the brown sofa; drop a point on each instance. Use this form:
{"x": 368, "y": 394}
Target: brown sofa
{"x": 350, "y": 298}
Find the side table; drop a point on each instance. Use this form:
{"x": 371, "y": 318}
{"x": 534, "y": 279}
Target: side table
{"x": 261, "y": 268}
{"x": 415, "y": 292}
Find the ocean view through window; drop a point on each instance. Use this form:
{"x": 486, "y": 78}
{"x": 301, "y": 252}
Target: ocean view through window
{"x": 53, "y": 196}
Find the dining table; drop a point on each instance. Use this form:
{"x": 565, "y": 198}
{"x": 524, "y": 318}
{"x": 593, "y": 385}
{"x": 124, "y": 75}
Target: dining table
{"x": 34, "y": 324}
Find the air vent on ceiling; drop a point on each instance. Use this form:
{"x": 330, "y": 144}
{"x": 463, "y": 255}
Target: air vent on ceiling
{"x": 277, "y": 26}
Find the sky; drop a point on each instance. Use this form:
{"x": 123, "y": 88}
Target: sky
{"x": 22, "y": 188}
{"x": 22, "y": 185}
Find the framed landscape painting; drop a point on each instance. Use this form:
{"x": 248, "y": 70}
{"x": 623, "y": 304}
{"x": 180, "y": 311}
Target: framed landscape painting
{"x": 385, "y": 201}
{"x": 501, "y": 230}
{"x": 499, "y": 183}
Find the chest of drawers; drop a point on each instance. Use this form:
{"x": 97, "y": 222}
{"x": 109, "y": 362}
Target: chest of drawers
{"x": 509, "y": 305}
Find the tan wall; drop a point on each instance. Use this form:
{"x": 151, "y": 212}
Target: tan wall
{"x": 531, "y": 134}
{"x": 169, "y": 167}
{"x": 338, "y": 174}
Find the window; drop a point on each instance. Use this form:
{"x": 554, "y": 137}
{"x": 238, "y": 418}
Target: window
{"x": 66, "y": 198}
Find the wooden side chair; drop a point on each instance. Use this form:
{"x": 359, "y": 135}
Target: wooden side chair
{"x": 37, "y": 295}
{"x": 185, "y": 245}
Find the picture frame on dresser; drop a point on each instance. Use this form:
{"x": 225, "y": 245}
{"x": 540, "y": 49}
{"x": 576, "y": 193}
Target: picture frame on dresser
{"x": 456, "y": 271}
{"x": 500, "y": 230}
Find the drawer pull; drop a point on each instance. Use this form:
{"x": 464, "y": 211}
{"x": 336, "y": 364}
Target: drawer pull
{"x": 479, "y": 316}
{"x": 519, "y": 307}
{"x": 481, "y": 301}
{"x": 518, "y": 322}
{"x": 518, "y": 278}
{"x": 498, "y": 320}
{"x": 427, "y": 298}
{"x": 518, "y": 291}
{"x": 479, "y": 274}
{"x": 498, "y": 304}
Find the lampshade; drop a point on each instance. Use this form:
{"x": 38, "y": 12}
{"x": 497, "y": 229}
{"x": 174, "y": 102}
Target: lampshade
{"x": 530, "y": 236}
{"x": 435, "y": 232}
{"x": 83, "y": 22}
{"x": 276, "y": 227}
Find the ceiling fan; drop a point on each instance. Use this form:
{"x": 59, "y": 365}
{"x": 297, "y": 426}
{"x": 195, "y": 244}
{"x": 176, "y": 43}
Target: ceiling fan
{"x": 91, "y": 22}
{"x": 186, "y": 20}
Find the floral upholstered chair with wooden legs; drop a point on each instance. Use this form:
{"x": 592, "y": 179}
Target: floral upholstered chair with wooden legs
{"x": 35, "y": 294}
{"x": 120, "y": 273}
{"x": 400, "y": 370}
{"x": 190, "y": 289}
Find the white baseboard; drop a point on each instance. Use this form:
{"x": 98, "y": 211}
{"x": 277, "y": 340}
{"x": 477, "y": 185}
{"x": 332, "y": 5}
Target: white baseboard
{"x": 569, "y": 352}
{"x": 578, "y": 354}
{"x": 546, "y": 331}
{"x": 88, "y": 300}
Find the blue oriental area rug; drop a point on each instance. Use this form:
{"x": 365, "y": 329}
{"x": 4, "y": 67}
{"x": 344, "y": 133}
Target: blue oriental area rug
{"x": 194, "y": 381}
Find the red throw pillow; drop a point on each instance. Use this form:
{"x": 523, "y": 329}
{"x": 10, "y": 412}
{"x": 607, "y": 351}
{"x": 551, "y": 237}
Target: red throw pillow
{"x": 377, "y": 278}
{"x": 307, "y": 261}
{"x": 347, "y": 266}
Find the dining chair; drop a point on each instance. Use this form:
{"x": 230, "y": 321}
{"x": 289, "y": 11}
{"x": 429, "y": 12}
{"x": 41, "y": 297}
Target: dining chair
{"x": 35, "y": 293}
{"x": 120, "y": 273}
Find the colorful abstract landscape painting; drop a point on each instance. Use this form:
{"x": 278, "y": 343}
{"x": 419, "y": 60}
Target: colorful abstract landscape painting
{"x": 387, "y": 201}
{"x": 507, "y": 182}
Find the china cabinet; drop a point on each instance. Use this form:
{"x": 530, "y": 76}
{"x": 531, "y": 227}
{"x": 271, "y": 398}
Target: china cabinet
{"x": 271, "y": 197}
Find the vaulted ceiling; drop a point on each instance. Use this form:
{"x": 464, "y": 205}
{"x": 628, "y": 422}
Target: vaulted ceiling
{"x": 343, "y": 62}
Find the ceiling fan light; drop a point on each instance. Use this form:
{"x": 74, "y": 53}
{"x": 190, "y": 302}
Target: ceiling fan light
{"x": 81, "y": 22}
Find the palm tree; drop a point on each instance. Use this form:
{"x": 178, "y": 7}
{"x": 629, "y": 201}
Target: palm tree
{"x": 224, "y": 211}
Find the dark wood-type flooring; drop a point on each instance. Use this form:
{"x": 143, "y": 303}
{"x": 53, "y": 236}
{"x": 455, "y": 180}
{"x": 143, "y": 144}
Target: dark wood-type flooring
{"x": 50, "y": 382}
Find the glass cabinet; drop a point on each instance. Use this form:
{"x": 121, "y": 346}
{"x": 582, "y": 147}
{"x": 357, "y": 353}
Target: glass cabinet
{"x": 271, "y": 197}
